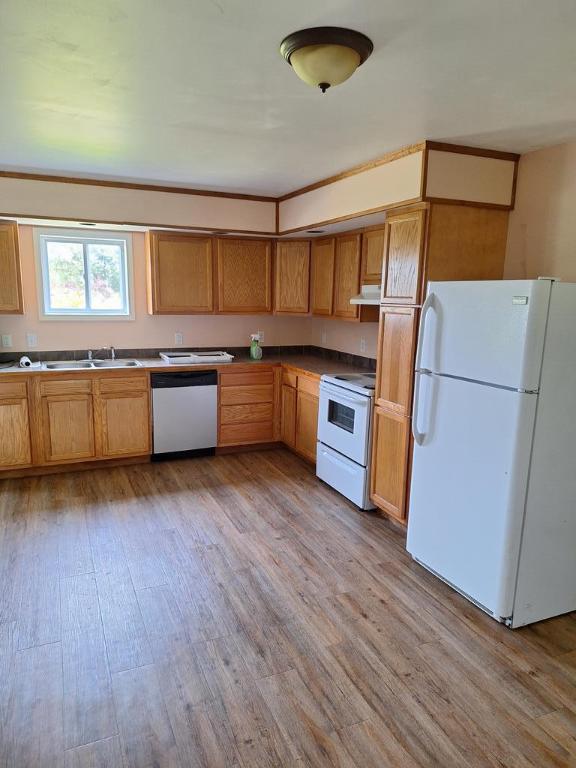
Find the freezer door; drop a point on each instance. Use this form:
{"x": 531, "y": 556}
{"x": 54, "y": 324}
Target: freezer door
{"x": 490, "y": 331}
{"x": 469, "y": 476}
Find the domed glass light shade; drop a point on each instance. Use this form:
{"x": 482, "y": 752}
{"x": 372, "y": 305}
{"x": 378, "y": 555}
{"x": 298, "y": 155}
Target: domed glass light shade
{"x": 325, "y": 56}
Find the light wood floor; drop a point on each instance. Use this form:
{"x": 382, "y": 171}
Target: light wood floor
{"x": 234, "y": 611}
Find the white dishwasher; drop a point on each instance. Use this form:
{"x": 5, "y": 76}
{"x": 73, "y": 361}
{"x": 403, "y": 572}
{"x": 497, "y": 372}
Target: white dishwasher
{"x": 184, "y": 413}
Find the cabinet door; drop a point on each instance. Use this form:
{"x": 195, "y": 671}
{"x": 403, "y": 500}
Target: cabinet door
{"x": 67, "y": 427}
{"x": 389, "y": 471}
{"x": 396, "y": 348}
{"x": 373, "y": 243}
{"x": 10, "y": 278}
{"x": 292, "y": 277}
{"x": 322, "y": 276}
{"x": 346, "y": 276}
{"x": 403, "y": 255}
{"x": 306, "y": 425}
{"x": 288, "y": 417}
{"x": 180, "y": 274}
{"x": 244, "y": 276}
{"x": 14, "y": 433}
{"x": 124, "y": 421}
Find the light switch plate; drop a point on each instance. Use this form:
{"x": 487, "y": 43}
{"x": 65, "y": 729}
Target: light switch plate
{"x": 178, "y": 339}
{"x": 362, "y": 345}
{"x": 31, "y": 340}
{"x": 6, "y": 340}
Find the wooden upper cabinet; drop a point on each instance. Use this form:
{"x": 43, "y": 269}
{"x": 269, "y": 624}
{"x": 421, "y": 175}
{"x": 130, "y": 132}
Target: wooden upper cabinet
{"x": 390, "y": 454}
{"x": 346, "y": 276}
{"x": 403, "y": 255}
{"x": 323, "y": 255}
{"x": 292, "y": 277}
{"x": 10, "y": 277}
{"x": 244, "y": 276}
{"x": 373, "y": 243}
{"x": 180, "y": 274}
{"x": 396, "y": 348}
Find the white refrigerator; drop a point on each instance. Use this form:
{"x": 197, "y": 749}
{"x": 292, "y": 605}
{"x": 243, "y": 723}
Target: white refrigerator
{"x": 493, "y": 491}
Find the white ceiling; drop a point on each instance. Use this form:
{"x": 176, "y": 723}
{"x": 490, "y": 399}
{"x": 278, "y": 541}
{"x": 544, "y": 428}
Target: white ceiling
{"x": 194, "y": 92}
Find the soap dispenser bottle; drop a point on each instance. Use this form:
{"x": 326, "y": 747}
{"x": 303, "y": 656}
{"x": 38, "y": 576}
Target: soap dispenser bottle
{"x": 255, "y": 348}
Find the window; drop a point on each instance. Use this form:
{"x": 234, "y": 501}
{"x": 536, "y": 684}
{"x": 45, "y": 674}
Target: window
{"x": 84, "y": 275}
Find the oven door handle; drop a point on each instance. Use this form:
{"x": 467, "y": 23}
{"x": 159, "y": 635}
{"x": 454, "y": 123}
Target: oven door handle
{"x": 338, "y": 396}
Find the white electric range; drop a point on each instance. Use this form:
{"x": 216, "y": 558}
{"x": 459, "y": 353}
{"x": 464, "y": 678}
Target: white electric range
{"x": 345, "y": 434}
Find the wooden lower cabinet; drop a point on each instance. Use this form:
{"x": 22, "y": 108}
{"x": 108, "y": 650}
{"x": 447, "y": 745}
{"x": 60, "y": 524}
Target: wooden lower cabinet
{"x": 14, "y": 433}
{"x": 67, "y": 427}
{"x": 246, "y": 407}
{"x": 390, "y": 462}
{"x": 288, "y": 418}
{"x": 306, "y": 424}
{"x": 124, "y": 423}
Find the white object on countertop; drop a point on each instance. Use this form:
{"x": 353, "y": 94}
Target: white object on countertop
{"x": 25, "y": 362}
{"x": 196, "y": 358}
{"x": 494, "y": 425}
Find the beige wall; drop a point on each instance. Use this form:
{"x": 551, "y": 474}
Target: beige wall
{"x": 147, "y": 331}
{"x": 453, "y": 176}
{"x": 29, "y": 198}
{"x": 542, "y": 229}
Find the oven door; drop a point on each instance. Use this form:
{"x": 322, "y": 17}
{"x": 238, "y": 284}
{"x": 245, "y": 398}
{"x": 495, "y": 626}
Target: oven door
{"x": 344, "y": 422}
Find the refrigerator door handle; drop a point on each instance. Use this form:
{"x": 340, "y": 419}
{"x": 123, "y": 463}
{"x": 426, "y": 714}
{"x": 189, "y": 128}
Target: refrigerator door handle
{"x": 418, "y": 436}
{"x": 428, "y": 304}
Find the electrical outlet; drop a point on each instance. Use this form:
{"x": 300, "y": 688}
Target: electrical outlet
{"x": 178, "y": 339}
{"x": 324, "y": 337}
{"x": 6, "y": 339}
{"x": 31, "y": 340}
{"x": 362, "y": 345}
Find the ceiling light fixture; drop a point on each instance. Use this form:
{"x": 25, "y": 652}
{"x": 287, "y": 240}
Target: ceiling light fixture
{"x": 325, "y": 56}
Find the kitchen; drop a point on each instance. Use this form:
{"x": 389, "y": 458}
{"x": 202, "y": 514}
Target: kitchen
{"x": 223, "y": 540}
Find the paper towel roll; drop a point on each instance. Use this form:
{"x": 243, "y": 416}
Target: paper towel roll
{"x": 25, "y": 362}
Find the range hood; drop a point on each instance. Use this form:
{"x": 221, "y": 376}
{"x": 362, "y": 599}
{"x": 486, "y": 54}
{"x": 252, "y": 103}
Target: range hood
{"x": 369, "y": 294}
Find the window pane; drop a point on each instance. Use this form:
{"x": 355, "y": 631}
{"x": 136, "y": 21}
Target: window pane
{"x": 105, "y": 271}
{"x": 66, "y": 275}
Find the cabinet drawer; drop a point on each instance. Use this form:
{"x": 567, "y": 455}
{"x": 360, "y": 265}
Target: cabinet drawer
{"x": 11, "y": 389}
{"x": 66, "y": 387}
{"x": 110, "y": 384}
{"x": 253, "y": 393}
{"x": 242, "y": 434}
{"x": 289, "y": 378}
{"x": 308, "y": 384}
{"x": 246, "y": 414}
{"x": 251, "y": 377}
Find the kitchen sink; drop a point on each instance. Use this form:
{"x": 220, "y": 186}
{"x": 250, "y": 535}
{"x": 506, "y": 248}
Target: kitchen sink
{"x": 67, "y": 365}
{"x": 116, "y": 363}
{"x": 70, "y": 365}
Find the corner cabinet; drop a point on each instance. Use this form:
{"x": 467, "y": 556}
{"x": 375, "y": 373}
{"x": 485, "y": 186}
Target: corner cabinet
{"x": 244, "y": 269}
{"x": 180, "y": 274}
{"x": 10, "y": 276}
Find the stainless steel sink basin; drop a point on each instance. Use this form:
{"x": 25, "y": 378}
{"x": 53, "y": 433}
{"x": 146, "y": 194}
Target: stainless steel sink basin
{"x": 115, "y": 363}
{"x": 71, "y": 365}
{"x": 67, "y": 365}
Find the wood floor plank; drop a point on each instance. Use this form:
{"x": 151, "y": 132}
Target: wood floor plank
{"x": 145, "y": 731}
{"x": 100, "y": 754}
{"x": 34, "y": 720}
{"x": 126, "y": 640}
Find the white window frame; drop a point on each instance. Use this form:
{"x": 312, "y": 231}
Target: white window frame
{"x": 42, "y": 235}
